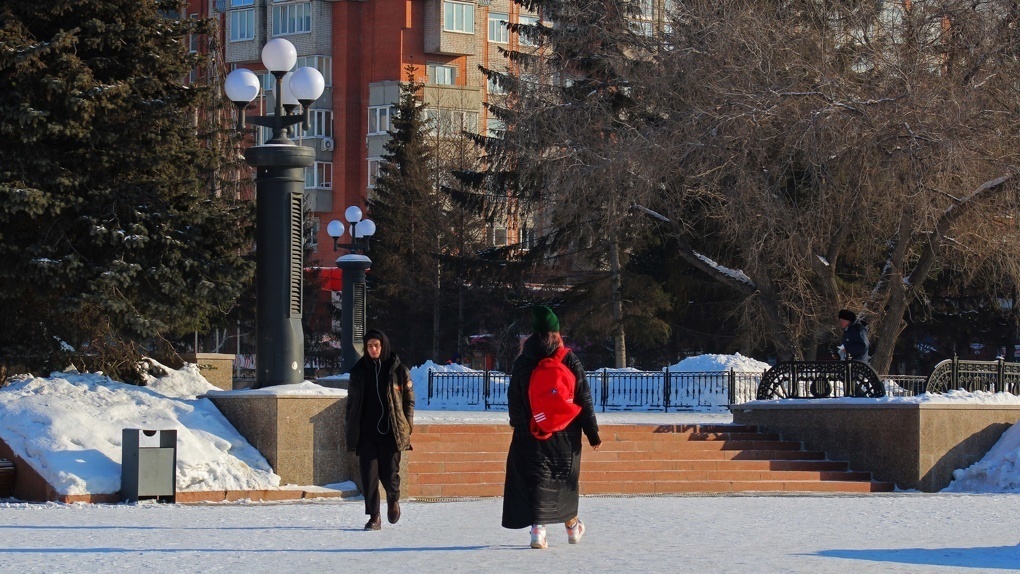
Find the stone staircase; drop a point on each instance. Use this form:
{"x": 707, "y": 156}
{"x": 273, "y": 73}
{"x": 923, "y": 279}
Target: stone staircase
{"x": 467, "y": 460}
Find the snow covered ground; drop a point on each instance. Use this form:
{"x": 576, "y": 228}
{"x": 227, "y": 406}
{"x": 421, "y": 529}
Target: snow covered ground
{"x": 915, "y": 533}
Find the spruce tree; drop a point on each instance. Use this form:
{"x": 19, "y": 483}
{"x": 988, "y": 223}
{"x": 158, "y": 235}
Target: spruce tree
{"x": 111, "y": 238}
{"x": 417, "y": 282}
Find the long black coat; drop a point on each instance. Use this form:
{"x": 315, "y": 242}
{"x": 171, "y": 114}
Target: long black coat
{"x": 541, "y": 475}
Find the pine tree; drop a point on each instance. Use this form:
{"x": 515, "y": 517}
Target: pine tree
{"x": 111, "y": 237}
{"x": 417, "y": 280}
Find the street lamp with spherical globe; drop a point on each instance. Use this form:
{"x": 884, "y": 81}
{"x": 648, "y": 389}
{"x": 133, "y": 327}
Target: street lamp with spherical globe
{"x": 279, "y": 210}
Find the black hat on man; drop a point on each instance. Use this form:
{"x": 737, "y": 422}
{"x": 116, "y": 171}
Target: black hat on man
{"x": 848, "y": 315}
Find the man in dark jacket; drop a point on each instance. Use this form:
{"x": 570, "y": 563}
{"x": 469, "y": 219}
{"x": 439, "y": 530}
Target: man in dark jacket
{"x": 380, "y": 418}
{"x": 542, "y": 474}
{"x": 855, "y": 336}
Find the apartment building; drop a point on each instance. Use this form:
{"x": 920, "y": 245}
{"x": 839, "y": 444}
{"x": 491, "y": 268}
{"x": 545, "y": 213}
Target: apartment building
{"x": 363, "y": 49}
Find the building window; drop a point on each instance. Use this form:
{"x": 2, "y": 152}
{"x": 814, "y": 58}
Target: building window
{"x": 374, "y": 163}
{"x": 528, "y": 37}
{"x": 494, "y": 127}
{"x": 312, "y": 234}
{"x": 442, "y": 75}
{"x": 494, "y": 87}
{"x": 527, "y": 238}
{"x": 241, "y": 3}
{"x": 242, "y": 25}
{"x": 499, "y": 236}
{"x": 498, "y": 31}
{"x": 292, "y": 19}
{"x": 324, "y": 64}
{"x": 447, "y": 122}
{"x": 320, "y": 124}
{"x": 378, "y": 119}
{"x": 459, "y": 17}
{"x": 319, "y": 175}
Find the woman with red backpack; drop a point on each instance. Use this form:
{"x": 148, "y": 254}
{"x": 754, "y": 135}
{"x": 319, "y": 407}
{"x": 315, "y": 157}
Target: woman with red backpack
{"x": 550, "y": 406}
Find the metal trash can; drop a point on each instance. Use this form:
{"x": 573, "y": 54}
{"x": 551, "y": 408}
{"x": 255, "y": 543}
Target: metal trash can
{"x": 148, "y": 465}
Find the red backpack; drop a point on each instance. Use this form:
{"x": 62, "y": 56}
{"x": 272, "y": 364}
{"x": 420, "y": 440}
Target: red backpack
{"x": 551, "y": 393}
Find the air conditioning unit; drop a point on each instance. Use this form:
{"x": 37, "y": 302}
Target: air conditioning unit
{"x": 327, "y": 144}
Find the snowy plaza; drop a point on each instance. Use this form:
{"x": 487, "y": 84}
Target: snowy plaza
{"x": 69, "y": 426}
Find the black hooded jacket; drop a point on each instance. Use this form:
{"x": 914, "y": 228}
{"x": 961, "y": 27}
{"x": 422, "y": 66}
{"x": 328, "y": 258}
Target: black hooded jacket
{"x": 387, "y": 382}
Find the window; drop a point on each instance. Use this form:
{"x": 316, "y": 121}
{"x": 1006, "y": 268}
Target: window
{"x": 493, "y": 86}
{"x": 312, "y": 234}
{"x": 528, "y": 37}
{"x": 319, "y": 175}
{"x": 374, "y": 163}
{"x": 240, "y": 3}
{"x": 292, "y": 18}
{"x": 320, "y": 124}
{"x": 499, "y": 236}
{"x": 447, "y": 122}
{"x": 242, "y": 25}
{"x": 459, "y": 17}
{"x": 194, "y": 40}
{"x": 527, "y": 238}
{"x": 442, "y": 75}
{"x": 494, "y": 127}
{"x": 378, "y": 119}
{"x": 324, "y": 64}
{"x": 498, "y": 31}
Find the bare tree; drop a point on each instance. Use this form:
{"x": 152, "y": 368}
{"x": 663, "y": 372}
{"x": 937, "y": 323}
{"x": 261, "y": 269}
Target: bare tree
{"x": 837, "y": 153}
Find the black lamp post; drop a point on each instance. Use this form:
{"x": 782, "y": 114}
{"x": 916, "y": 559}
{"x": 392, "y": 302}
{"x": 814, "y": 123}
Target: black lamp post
{"x": 352, "y": 270}
{"x": 279, "y": 210}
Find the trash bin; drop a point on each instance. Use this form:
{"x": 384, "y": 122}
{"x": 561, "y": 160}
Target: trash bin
{"x": 148, "y": 465}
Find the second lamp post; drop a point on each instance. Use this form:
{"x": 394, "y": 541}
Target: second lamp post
{"x": 352, "y": 273}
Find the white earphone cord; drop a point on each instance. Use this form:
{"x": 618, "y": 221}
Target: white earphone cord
{"x": 382, "y": 409}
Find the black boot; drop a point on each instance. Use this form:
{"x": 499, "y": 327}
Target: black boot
{"x": 374, "y": 523}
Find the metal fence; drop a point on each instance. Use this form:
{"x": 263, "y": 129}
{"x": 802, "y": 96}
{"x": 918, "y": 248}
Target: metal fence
{"x": 631, "y": 390}
{"x": 611, "y": 390}
{"x": 991, "y": 376}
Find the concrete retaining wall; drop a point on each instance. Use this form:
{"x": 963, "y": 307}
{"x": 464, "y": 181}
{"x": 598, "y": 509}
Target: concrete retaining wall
{"x": 914, "y": 445}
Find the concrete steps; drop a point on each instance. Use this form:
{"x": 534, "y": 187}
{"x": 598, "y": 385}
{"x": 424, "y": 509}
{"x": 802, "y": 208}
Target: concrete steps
{"x": 453, "y": 460}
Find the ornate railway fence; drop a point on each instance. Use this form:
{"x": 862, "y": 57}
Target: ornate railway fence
{"x": 820, "y": 379}
{"x": 993, "y": 376}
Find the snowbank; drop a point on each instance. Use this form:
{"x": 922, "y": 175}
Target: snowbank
{"x": 68, "y": 426}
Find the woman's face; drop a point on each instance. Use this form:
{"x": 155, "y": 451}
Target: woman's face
{"x": 374, "y": 348}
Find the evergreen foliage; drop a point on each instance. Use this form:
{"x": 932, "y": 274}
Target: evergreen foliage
{"x": 418, "y": 273}
{"x": 111, "y": 235}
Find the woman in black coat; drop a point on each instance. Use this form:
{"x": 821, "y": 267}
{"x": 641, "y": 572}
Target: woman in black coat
{"x": 380, "y": 418}
{"x": 541, "y": 475}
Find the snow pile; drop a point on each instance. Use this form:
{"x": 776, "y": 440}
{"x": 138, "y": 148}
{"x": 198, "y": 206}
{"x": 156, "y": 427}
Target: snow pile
{"x": 998, "y": 471}
{"x": 68, "y": 426}
{"x": 711, "y": 363}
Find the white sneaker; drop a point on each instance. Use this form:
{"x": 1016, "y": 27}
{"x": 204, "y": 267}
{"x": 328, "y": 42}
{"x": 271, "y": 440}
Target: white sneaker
{"x": 574, "y": 534}
{"x": 538, "y": 537}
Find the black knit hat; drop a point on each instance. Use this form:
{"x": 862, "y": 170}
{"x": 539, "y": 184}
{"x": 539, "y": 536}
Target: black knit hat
{"x": 848, "y": 315}
{"x": 544, "y": 320}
